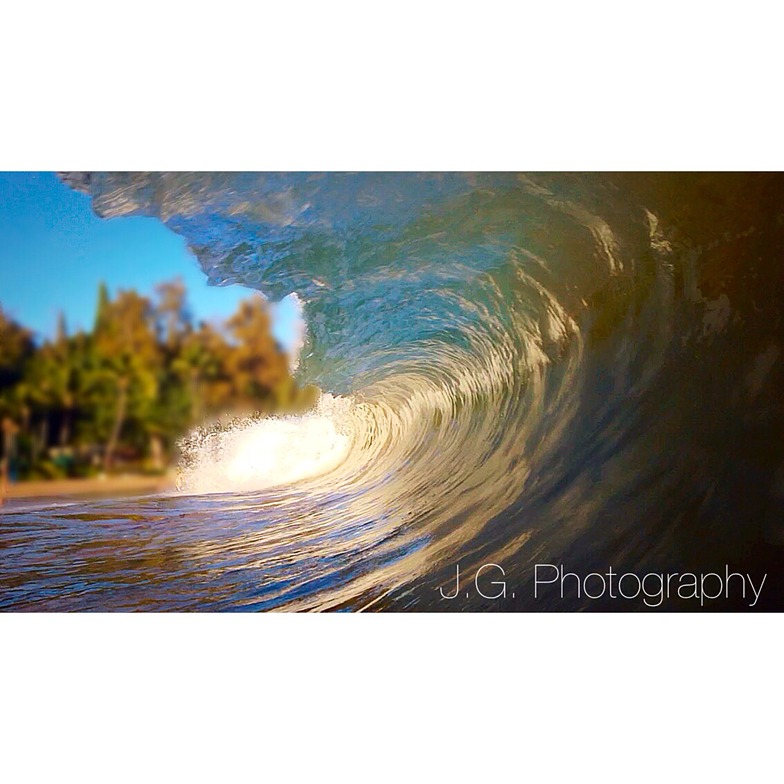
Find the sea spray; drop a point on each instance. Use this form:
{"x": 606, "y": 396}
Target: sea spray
{"x": 255, "y": 453}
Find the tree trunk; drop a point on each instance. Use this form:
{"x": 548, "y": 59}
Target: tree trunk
{"x": 9, "y": 445}
{"x": 65, "y": 427}
{"x": 156, "y": 451}
{"x": 45, "y": 436}
{"x": 119, "y": 418}
{"x": 40, "y": 441}
{"x": 34, "y": 444}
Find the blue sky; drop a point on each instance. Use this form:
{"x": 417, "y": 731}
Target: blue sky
{"x": 54, "y": 252}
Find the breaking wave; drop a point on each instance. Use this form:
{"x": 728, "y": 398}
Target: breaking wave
{"x": 521, "y": 369}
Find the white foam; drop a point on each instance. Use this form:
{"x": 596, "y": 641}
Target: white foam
{"x": 256, "y": 454}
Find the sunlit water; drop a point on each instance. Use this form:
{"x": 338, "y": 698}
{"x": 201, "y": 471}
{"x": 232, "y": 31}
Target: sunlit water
{"x": 521, "y": 369}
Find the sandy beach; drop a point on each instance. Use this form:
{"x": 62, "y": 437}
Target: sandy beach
{"x": 129, "y": 484}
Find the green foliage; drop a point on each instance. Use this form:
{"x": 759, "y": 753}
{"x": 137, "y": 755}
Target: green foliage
{"x": 122, "y": 394}
{"x": 16, "y": 347}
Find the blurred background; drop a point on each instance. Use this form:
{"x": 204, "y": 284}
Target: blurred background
{"x": 112, "y": 346}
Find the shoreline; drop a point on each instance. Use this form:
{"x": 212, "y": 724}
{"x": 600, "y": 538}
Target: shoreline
{"x": 119, "y": 486}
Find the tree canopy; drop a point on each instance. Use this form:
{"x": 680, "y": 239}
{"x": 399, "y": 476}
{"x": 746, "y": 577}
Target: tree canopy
{"x": 121, "y": 394}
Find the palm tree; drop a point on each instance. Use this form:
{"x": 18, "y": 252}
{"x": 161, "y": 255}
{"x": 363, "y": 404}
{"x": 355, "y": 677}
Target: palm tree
{"x": 200, "y": 366}
{"x": 128, "y": 356}
{"x": 54, "y": 376}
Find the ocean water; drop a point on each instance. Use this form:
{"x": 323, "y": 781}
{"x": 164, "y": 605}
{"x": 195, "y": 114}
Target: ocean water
{"x": 576, "y": 369}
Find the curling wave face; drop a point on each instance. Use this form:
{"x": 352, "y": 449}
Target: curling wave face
{"x": 523, "y": 369}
